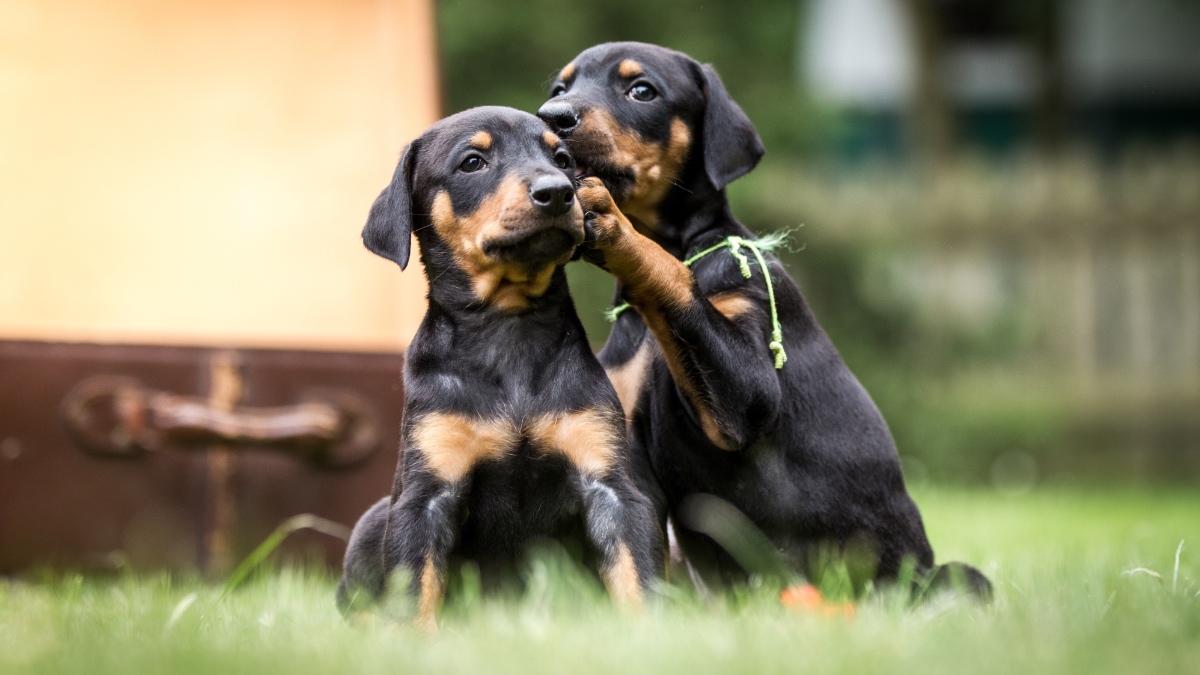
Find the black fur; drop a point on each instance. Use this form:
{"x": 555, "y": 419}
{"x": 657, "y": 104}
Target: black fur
{"x": 731, "y": 145}
{"x": 809, "y": 459}
{"x": 388, "y": 231}
{"x": 483, "y": 362}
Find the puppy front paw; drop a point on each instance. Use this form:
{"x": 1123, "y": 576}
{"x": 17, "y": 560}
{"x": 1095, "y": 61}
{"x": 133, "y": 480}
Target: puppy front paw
{"x": 603, "y": 221}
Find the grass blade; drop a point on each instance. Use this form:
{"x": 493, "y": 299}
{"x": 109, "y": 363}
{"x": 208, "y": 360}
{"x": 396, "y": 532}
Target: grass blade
{"x": 1142, "y": 570}
{"x": 304, "y": 521}
{"x": 180, "y": 608}
{"x": 1175, "y": 576}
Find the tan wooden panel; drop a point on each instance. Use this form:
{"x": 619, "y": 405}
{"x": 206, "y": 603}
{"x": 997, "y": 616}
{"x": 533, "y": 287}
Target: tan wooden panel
{"x": 198, "y": 171}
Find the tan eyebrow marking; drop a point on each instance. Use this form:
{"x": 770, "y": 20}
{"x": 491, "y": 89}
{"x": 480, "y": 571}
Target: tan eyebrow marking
{"x": 482, "y": 140}
{"x": 567, "y": 71}
{"x": 551, "y": 139}
{"x": 629, "y": 68}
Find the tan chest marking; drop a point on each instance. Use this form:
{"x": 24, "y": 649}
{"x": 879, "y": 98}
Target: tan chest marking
{"x": 590, "y": 440}
{"x": 630, "y": 377}
{"x": 733, "y": 304}
{"x": 453, "y": 444}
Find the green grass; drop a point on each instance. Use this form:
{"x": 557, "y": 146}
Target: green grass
{"x": 1057, "y": 558}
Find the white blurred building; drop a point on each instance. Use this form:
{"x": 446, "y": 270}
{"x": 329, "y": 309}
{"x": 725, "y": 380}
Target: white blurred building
{"x": 1128, "y": 67}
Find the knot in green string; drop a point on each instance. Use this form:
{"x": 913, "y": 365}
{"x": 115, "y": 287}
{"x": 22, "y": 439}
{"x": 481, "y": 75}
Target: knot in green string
{"x": 757, "y": 248}
{"x": 735, "y": 249}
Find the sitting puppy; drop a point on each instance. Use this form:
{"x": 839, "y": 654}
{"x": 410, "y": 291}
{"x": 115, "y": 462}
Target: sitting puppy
{"x": 511, "y": 430}
{"x": 731, "y": 386}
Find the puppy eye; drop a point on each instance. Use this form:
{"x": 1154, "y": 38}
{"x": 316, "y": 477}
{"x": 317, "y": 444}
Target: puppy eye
{"x": 558, "y": 90}
{"x": 642, "y": 92}
{"x": 472, "y": 164}
{"x": 562, "y": 160}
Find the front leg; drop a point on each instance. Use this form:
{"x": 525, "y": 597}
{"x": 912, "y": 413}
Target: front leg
{"x": 714, "y": 347}
{"x": 422, "y": 531}
{"x": 622, "y": 527}
{"x": 363, "y": 577}
{"x": 620, "y": 521}
{"x": 441, "y": 450}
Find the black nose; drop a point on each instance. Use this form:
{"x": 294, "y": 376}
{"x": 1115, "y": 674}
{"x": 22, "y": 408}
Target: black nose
{"x": 559, "y": 115}
{"x": 552, "y": 194}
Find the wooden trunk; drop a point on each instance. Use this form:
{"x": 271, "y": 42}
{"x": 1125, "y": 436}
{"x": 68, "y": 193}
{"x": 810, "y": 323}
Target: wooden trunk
{"x": 194, "y": 345}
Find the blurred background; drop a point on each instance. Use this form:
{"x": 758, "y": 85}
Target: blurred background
{"x": 994, "y": 207}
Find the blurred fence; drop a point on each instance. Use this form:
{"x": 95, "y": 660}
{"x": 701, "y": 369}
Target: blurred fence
{"x": 1052, "y": 304}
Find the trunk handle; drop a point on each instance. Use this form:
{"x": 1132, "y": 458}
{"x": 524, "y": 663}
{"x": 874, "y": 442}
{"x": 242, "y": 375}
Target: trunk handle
{"x": 116, "y": 416}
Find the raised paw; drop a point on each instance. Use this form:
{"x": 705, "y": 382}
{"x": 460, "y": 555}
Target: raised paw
{"x": 594, "y": 197}
{"x": 603, "y": 221}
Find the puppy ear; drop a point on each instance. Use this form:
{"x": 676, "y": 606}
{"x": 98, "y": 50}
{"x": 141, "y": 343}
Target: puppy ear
{"x": 731, "y": 143}
{"x": 389, "y": 227}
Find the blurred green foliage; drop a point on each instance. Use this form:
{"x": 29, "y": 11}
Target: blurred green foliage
{"x": 499, "y": 54}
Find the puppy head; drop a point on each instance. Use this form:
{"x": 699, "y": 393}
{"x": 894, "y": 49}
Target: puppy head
{"x": 488, "y": 192}
{"x": 639, "y": 116}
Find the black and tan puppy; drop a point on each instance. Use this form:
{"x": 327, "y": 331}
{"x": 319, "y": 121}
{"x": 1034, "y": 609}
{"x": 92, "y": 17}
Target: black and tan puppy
{"x": 511, "y": 430}
{"x": 779, "y": 428}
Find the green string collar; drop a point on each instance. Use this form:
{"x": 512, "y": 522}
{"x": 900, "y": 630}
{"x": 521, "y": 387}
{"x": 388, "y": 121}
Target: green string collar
{"x": 757, "y": 247}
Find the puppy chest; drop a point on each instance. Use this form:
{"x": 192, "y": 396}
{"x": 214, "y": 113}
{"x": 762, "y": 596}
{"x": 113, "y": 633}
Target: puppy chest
{"x": 451, "y": 446}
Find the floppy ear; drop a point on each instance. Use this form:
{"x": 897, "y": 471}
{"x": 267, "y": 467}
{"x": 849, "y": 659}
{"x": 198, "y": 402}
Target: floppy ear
{"x": 389, "y": 226}
{"x": 731, "y": 144}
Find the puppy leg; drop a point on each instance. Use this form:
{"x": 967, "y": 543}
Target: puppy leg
{"x": 424, "y": 528}
{"x": 956, "y": 577}
{"x": 622, "y": 525}
{"x": 363, "y": 574}
{"x": 716, "y": 353}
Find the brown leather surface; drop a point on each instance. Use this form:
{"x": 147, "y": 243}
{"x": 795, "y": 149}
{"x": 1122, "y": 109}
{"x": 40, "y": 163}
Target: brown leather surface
{"x": 155, "y": 510}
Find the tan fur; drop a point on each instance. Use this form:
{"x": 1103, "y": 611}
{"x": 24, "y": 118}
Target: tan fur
{"x": 654, "y": 166}
{"x": 657, "y": 278}
{"x": 683, "y": 377}
{"x": 629, "y": 69}
{"x": 482, "y": 140}
{"x": 589, "y": 439}
{"x": 551, "y": 139}
{"x": 656, "y": 283}
{"x": 505, "y": 285}
{"x": 567, "y": 71}
{"x": 621, "y": 579}
{"x": 733, "y": 304}
{"x": 453, "y": 444}
{"x": 652, "y": 277}
{"x": 430, "y": 598}
{"x": 629, "y": 377}
{"x": 516, "y": 287}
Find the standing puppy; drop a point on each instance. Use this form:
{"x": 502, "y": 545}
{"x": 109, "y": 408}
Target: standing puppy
{"x": 731, "y": 386}
{"x": 511, "y": 430}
